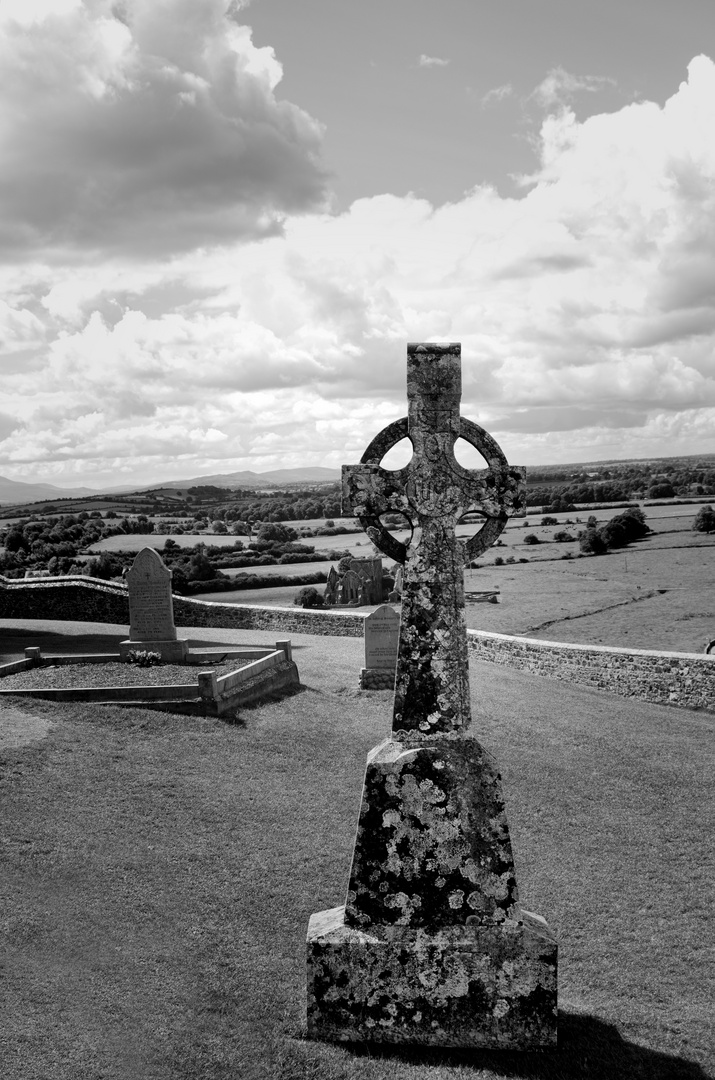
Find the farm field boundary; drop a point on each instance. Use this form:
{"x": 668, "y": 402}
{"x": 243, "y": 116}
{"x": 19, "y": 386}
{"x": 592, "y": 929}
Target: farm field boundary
{"x": 670, "y": 678}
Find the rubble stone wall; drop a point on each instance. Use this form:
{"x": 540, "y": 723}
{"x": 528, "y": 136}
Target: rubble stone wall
{"x": 666, "y": 678}
{"x": 91, "y": 600}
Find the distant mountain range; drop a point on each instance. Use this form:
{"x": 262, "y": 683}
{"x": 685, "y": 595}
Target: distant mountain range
{"x": 275, "y": 478}
{"x": 17, "y": 491}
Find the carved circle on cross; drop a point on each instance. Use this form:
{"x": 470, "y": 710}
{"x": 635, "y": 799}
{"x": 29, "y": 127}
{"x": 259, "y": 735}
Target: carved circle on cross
{"x": 477, "y": 437}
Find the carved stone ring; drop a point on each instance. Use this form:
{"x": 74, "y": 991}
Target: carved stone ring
{"x": 477, "y": 437}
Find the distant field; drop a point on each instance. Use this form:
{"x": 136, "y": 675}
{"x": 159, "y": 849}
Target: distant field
{"x": 137, "y": 541}
{"x": 656, "y": 594}
{"x": 282, "y": 596}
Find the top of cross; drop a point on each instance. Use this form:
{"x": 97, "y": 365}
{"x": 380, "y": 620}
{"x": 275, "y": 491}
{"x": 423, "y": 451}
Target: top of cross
{"x": 433, "y": 491}
{"x": 433, "y": 483}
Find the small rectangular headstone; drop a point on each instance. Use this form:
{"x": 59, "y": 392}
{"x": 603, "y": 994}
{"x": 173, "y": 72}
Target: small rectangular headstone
{"x": 382, "y": 631}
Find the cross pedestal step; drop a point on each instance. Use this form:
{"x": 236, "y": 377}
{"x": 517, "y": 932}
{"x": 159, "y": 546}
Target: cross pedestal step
{"x": 481, "y": 986}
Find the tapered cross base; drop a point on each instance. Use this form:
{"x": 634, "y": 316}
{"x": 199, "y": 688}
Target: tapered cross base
{"x": 431, "y": 946}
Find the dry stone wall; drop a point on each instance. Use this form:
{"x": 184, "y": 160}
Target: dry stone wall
{"x": 70, "y": 598}
{"x": 683, "y": 679}
{"x": 91, "y": 600}
{"x": 665, "y": 678}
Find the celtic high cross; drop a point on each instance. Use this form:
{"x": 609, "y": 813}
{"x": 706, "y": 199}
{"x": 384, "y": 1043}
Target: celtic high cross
{"x": 432, "y": 946}
{"x": 433, "y": 491}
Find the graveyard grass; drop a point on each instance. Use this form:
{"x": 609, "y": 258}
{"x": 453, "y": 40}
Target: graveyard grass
{"x": 159, "y": 873}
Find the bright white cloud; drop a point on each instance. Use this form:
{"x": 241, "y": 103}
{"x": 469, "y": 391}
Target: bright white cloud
{"x": 585, "y": 309}
{"x": 142, "y": 129}
{"x": 32, "y": 12}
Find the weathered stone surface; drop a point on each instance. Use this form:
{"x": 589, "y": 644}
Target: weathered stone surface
{"x": 465, "y": 985}
{"x": 151, "y": 615}
{"x": 330, "y": 595}
{"x": 370, "y": 570}
{"x": 151, "y": 612}
{"x": 433, "y": 491}
{"x": 382, "y": 631}
{"x": 432, "y": 946}
{"x": 375, "y": 679}
{"x": 432, "y": 846}
{"x": 351, "y": 588}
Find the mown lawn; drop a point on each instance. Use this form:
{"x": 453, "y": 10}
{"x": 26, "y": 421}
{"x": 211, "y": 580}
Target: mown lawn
{"x": 158, "y": 874}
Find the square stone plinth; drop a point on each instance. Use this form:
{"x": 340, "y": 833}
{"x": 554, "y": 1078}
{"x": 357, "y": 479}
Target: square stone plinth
{"x": 488, "y": 985}
{"x": 172, "y": 652}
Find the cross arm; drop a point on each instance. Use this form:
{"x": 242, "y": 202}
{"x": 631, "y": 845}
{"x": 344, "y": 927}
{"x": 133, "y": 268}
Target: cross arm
{"x": 368, "y": 491}
{"x": 497, "y": 492}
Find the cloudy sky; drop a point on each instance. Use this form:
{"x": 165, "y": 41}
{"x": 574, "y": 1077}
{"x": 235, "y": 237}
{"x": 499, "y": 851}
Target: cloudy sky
{"x": 221, "y": 222}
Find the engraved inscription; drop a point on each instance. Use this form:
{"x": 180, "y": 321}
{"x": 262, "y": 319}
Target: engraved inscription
{"x": 151, "y": 613}
{"x": 382, "y": 630}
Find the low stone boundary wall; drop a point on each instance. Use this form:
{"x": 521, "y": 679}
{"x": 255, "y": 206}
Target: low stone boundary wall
{"x": 87, "y": 599}
{"x": 82, "y": 599}
{"x": 665, "y": 678}
{"x": 377, "y": 679}
{"x": 669, "y": 678}
{"x": 190, "y": 612}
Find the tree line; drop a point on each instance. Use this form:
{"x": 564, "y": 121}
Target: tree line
{"x": 555, "y": 490}
{"x": 53, "y": 544}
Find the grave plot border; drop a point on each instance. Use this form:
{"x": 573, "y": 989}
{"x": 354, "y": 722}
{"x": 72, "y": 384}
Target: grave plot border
{"x": 269, "y": 673}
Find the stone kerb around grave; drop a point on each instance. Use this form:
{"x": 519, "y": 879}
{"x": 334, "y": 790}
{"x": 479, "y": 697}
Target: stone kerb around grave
{"x": 382, "y": 632}
{"x": 151, "y": 611}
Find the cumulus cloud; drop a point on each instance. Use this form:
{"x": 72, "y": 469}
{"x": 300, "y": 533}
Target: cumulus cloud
{"x": 144, "y": 129}
{"x": 19, "y": 329}
{"x": 432, "y": 61}
{"x": 585, "y": 309}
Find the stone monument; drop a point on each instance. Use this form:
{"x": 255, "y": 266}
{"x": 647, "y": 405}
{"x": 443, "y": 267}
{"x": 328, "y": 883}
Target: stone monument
{"x": 331, "y": 587}
{"x": 151, "y": 610}
{"x": 382, "y": 631}
{"x": 431, "y": 946}
{"x": 370, "y": 570}
{"x": 351, "y": 589}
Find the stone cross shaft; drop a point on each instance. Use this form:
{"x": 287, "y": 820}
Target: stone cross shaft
{"x": 432, "y": 491}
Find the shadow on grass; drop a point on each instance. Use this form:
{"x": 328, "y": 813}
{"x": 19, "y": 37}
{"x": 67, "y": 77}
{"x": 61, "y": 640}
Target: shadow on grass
{"x": 588, "y": 1049}
{"x": 221, "y": 643}
{"x": 14, "y": 642}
